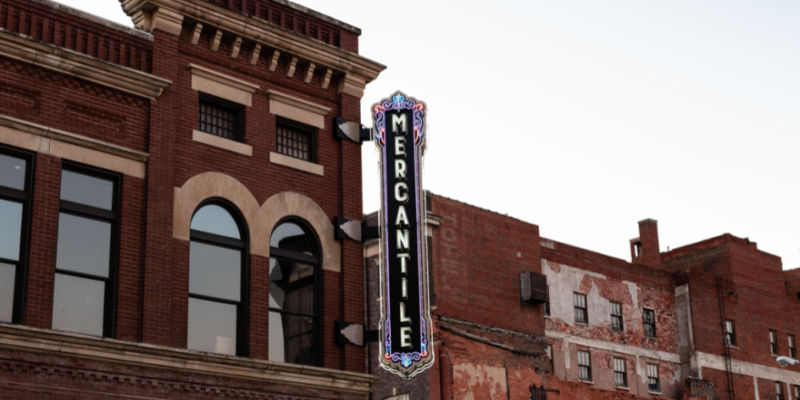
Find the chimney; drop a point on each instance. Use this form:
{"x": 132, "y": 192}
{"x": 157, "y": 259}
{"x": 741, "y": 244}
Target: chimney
{"x": 644, "y": 249}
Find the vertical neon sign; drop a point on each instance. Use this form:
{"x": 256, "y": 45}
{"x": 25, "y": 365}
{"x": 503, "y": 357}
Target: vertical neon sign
{"x": 406, "y": 346}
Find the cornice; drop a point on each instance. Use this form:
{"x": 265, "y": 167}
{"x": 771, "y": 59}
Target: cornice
{"x": 80, "y": 65}
{"x": 64, "y": 344}
{"x": 261, "y": 32}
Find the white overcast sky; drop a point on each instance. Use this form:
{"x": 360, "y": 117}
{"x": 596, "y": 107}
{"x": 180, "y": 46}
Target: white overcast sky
{"x": 584, "y": 116}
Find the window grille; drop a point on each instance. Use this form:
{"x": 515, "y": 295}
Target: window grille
{"x": 296, "y": 140}
{"x": 220, "y": 117}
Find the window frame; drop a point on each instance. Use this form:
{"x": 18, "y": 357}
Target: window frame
{"x": 623, "y": 372}
{"x": 652, "y": 332}
{"x": 779, "y": 395}
{"x": 112, "y": 217}
{"x": 311, "y": 131}
{"x": 237, "y": 108}
{"x": 242, "y": 245}
{"x": 585, "y": 370}
{"x": 791, "y": 342}
{"x": 24, "y": 197}
{"x": 275, "y": 252}
{"x": 584, "y": 309}
{"x": 548, "y": 349}
{"x": 773, "y": 342}
{"x": 653, "y": 380}
{"x": 730, "y": 332}
{"x": 616, "y": 317}
{"x": 796, "y": 390}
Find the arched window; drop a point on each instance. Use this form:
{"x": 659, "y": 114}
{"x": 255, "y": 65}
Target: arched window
{"x": 293, "y": 294}
{"x": 217, "y": 315}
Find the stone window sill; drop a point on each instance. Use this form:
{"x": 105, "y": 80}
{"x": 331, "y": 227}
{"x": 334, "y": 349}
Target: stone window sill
{"x": 221, "y": 142}
{"x": 295, "y": 163}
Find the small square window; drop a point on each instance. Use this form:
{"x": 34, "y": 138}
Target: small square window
{"x": 649, "y": 322}
{"x": 616, "y": 316}
{"x": 584, "y": 365}
{"x": 579, "y": 301}
{"x": 296, "y": 140}
{"x": 220, "y": 117}
{"x": 653, "y": 382}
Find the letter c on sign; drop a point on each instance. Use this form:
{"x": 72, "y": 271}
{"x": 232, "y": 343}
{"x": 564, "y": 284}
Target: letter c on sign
{"x": 401, "y": 197}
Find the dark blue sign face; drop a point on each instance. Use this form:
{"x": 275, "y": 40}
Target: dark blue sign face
{"x": 405, "y": 325}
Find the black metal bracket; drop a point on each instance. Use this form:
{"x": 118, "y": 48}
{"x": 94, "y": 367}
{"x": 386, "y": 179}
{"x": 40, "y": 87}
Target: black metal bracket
{"x": 346, "y": 228}
{"x": 369, "y": 232}
{"x": 371, "y": 335}
{"x": 352, "y": 131}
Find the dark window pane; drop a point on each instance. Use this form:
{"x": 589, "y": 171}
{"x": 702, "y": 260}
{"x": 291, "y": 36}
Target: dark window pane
{"x": 219, "y": 117}
{"x": 217, "y": 220}
{"x": 10, "y": 229}
{"x": 83, "y": 245}
{"x": 12, "y": 172}
{"x": 78, "y": 304}
{"x": 291, "y": 286}
{"x": 7, "y": 275}
{"x": 212, "y": 326}
{"x": 86, "y": 189}
{"x": 291, "y": 338}
{"x": 290, "y": 236}
{"x": 295, "y": 142}
{"x": 214, "y": 271}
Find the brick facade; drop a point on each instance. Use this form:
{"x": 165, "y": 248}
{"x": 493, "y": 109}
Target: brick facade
{"x": 78, "y": 90}
{"x": 490, "y": 345}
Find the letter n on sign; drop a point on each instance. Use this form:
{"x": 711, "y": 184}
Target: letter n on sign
{"x": 405, "y": 327}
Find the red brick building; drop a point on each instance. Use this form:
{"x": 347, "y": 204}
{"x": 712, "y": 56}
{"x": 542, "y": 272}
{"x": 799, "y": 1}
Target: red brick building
{"x": 652, "y": 327}
{"x": 168, "y": 196}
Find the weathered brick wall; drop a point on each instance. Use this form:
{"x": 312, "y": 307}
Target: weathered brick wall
{"x": 604, "y": 279}
{"x": 730, "y": 279}
{"x": 479, "y": 256}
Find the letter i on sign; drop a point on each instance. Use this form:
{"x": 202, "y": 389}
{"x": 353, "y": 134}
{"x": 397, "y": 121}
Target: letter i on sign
{"x": 405, "y": 327}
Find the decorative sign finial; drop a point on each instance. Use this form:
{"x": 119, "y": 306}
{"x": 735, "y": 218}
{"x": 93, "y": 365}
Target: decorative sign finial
{"x": 405, "y": 328}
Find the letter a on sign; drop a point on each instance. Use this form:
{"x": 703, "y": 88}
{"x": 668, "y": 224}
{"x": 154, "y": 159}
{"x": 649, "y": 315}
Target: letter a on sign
{"x": 405, "y": 327}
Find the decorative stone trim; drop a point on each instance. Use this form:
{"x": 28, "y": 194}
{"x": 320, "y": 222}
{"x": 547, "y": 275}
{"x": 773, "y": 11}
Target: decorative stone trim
{"x": 221, "y": 85}
{"x": 195, "y": 363}
{"x": 81, "y": 66}
{"x": 71, "y": 146}
{"x": 260, "y": 220}
{"x": 216, "y": 184}
{"x": 361, "y": 69}
{"x": 221, "y": 142}
{"x": 352, "y": 85}
{"x": 161, "y": 18}
{"x": 297, "y": 109}
{"x": 287, "y": 204}
{"x": 296, "y": 163}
